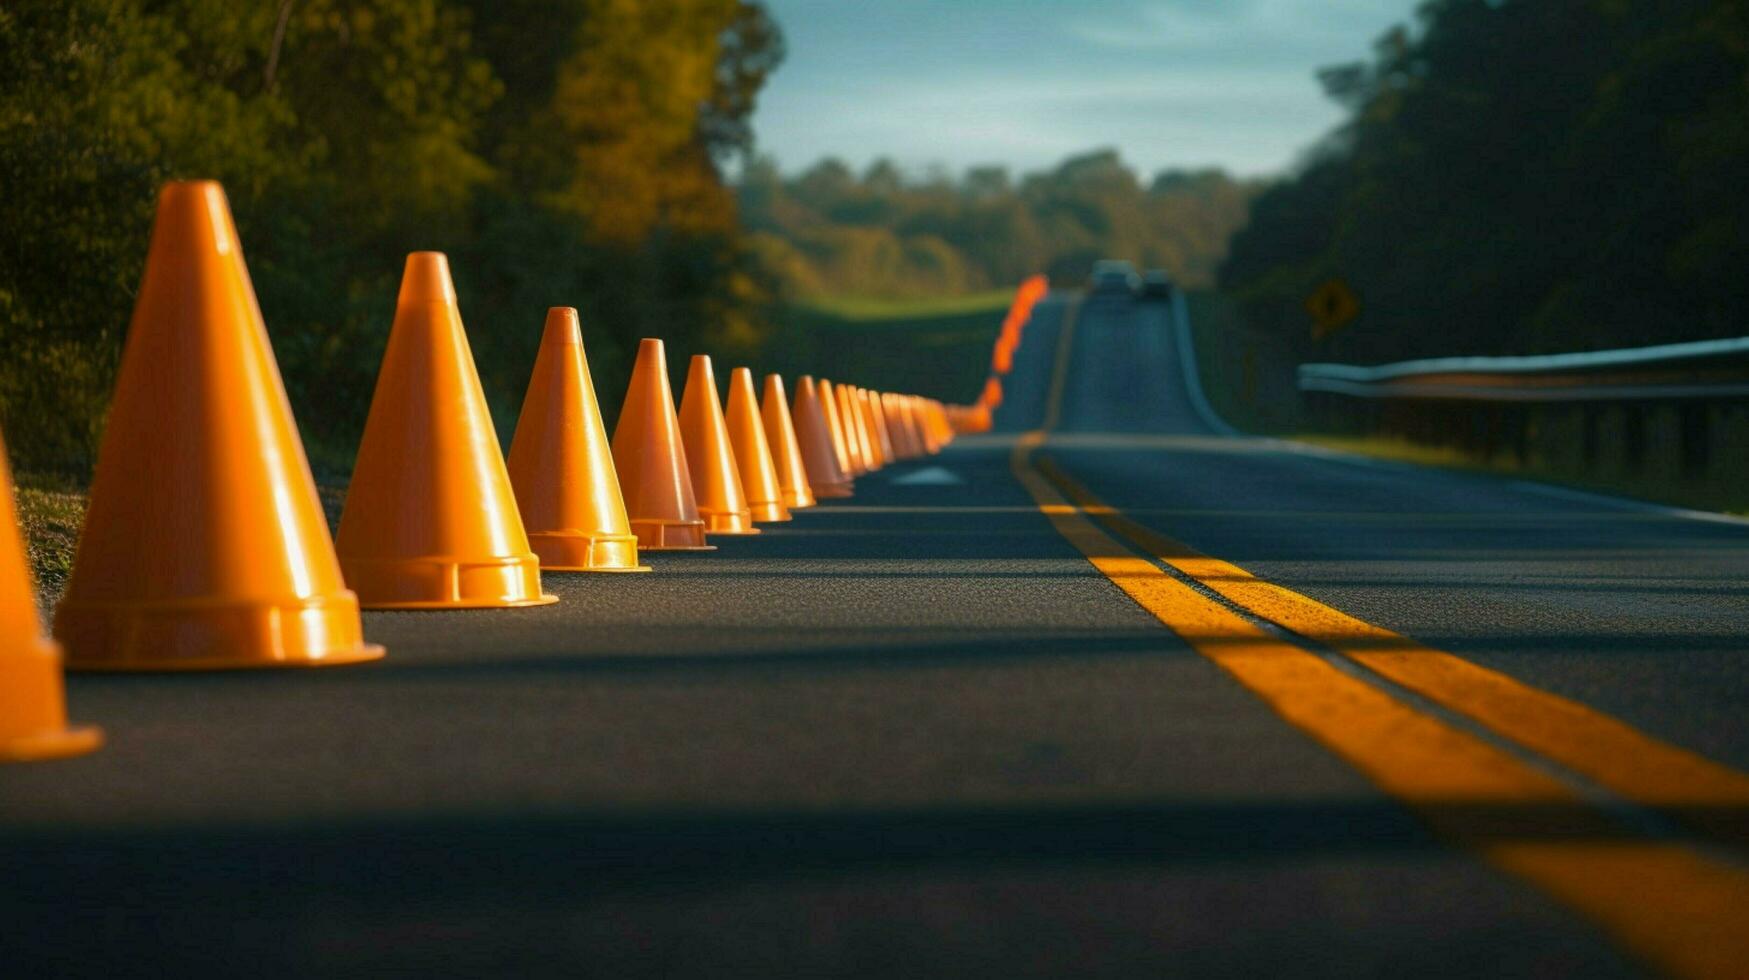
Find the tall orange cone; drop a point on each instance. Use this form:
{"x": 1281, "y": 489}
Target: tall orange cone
{"x": 827, "y": 475}
{"x": 647, "y": 452}
{"x": 843, "y": 436}
{"x": 430, "y": 521}
{"x": 33, "y": 706}
{"x": 204, "y": 544}
{"x": 561, "y": 465}
{"x": 786, "y": 449}
{"x": 716, "y": 480}
{"x": 753, "y": 452}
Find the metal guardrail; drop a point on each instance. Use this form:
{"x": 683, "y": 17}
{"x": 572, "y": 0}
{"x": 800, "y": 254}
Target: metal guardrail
{"x": 1676, "y": 406}
{"x": 1708, "y": 369}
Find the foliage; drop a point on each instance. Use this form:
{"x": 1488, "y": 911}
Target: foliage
{"x": 935, "y": 347}
{"x": 565, "y": 152}
{"x": 1521, "y": 176}
{"x": 831, "y": 232}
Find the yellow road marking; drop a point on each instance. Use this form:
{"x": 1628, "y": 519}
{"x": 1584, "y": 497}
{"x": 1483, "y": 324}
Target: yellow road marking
{"x": 1673, "y": 907}
{"x": 1615, "y": 755}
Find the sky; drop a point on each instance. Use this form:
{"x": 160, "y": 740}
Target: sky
{"x": 1025, "y": 83}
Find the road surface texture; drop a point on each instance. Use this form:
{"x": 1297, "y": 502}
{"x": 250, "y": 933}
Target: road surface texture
{"x": 1006, "y": 713}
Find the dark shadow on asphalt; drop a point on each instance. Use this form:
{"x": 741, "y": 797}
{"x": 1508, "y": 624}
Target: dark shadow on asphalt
{"x": 565, "y": 854}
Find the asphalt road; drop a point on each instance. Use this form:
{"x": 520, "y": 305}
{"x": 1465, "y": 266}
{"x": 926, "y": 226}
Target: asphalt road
{"x": 912, "y": 734}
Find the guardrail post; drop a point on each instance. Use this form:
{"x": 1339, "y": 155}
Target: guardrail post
{"x": 1696, "y": 437}
{"x": 1633, "y": 438}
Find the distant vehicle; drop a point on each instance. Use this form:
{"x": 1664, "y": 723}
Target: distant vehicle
{"x": 1156, "y": 284}
{"x": 1113, "y": 277}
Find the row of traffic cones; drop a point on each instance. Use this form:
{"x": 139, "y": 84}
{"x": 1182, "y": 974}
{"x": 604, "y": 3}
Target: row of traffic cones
{"x": 979, "y": 416}
{"x": 205, "y": 546}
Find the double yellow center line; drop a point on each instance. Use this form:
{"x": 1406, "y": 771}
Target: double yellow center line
{"x": 1537, "y": 785}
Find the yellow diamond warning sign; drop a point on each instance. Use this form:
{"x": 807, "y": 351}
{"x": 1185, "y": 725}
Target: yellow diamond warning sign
{"x": 1332, "y": 306}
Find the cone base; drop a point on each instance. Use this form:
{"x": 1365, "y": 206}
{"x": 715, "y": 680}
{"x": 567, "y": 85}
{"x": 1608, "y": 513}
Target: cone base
{"x": 769, "y": 513}
{"x": 662, "y": 535}
{"x": 63, "y": 744}
{"x": 834, "y": 491}
{"x": 439, "y": 583}
{"x": 363, "y": 653}
{"x": 210, "y": 634}
{"x": 411, "y": 605}
{"x": 733, "y": 523}
{"x": 559, "y": 551}
{"x": 798, "y": 499}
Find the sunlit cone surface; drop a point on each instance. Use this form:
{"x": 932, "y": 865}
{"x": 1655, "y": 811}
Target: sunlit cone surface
{"x": 855, "y": 435}
{"x": 786, "y": 449}
{"x": 561, "y": 464}
{"x": 430, "y": 520}
{"x": 204, "y": 544}
{"x": 753, "y": 460}
{"x": 842, "y": 443}
{"x": 716, "y": 480}
{"x": 878, "y": 425}
{"x": 651, "y": 460}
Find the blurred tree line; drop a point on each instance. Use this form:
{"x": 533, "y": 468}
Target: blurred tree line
{"x": 832, "y": 232}
{"x": 1521, "y": 176}
{"x": 564, "y": 152}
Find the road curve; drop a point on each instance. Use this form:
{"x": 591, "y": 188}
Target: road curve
{"x": 1099, "y": 694}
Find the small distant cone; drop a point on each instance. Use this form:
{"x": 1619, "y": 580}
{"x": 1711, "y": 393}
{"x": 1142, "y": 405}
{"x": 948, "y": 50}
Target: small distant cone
{"x": 651, "y": 461}
{"x": 855, "y": 436}
{"x": 204, "y": 544}
{"x": 877, "y": 450}
{"x": 904, "y": 443}
{"x": 871, "y": 445}
{"x": 992, "y": 394}
{"x": 752, "y": 451}
{"x": 926, "y": 420}
{"x": 561, "y": 465}
{"x": 430, "y": 521}
{"x": 843, "y": 434}
{"x": 827, "y": 476}
{"x": 878, "y": 425}
{"x": 786, "y": 449}
{"x": 716, "y": 481}
{"x": 33, "y": 706}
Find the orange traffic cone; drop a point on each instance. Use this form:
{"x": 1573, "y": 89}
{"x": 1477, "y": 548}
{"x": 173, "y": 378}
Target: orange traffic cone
{"x": 430, "y": 521}
{"x": 903, "y": 447}
{"x": 561, "y": 466}
{"x": 992, "y": 394}
{"x": 716, "y": 481}
{"x": 204, "y": 544}
{"x": 647, "y": 452}
{"x": 855, "y": 439}
{"x": 827, "y": 476}
{"x": 786, "y": 450}
{"x": 752, "y": 452}
{"x": 843, "y": 436}
{"x": 866, "y": 440}
{"x": 878, "y": 425}
{"x": 33, "y": 706}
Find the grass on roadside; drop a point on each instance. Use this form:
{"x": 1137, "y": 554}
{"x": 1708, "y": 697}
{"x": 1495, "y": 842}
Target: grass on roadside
{"x": 902, "y": 310}
{"x": 937, "y": 347}
{"x": 50, "y": 516}
{"x": 1652, "y": 485}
